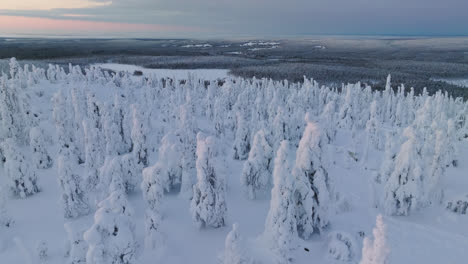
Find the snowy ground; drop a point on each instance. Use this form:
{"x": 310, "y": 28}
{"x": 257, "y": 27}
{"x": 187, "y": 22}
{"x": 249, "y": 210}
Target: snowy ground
{"x": 208, "y": 74}
{"x": 432, "y": 235}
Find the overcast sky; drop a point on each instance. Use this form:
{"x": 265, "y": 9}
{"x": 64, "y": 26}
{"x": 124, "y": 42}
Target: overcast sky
{"x": 212, "y": 18}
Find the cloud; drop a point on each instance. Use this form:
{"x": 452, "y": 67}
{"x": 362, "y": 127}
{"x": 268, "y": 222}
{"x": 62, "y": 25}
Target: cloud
{"x": 50, "y": 4}
{"x": 275, "y": 17}
{"x": 18, "y": 25}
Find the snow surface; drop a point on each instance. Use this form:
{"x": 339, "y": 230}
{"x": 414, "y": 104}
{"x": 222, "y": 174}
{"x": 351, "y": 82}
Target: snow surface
{"x": 433, "y": 235}
{"x": 206, "y": 45}
{"x": 207, "y": 74}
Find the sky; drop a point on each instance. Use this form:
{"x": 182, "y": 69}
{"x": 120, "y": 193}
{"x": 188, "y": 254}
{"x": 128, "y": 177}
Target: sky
{"x": 232, "y": 18}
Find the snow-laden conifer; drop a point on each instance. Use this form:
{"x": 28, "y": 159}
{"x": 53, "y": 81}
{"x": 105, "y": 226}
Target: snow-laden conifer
{"x": 256, "y": 174}
{"x": 208, "y": 205}
{"x": 280, "y": 226}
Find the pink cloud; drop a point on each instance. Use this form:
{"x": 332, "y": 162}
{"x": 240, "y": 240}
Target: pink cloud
{"x": 32, "y": 24}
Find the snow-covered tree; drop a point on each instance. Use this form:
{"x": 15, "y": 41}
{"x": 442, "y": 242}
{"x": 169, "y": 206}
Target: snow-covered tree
{"x": 169, "y": 163}
{"x": 242, "y": 138}
{"x": 78, "y": 100}
{"x": 111, "y": 238}
{"x": 328, "y": 119}
{"x": 131, "y": 172}
{"x": 451, "y": 149}
{"x": 280, "y": 129}
{"x": 78, "y": 247}
{"x": 12, "y": 113}
{"x": 376, "y": 252}
{"x": 63, "y": 117}
{"x": 257, "y": 169}
{"x": 74, "y": 198}
{"x": 112, "y": 131}
{"x": 139, "y": 136}
{"x": 234, "y": 249}
{"x": 313, "y": 190}
{"x": 188, "y": 136}
{"x": 40, "y": 155}
{"x": 208, "y": 205}
{"x": 436, "y": 169}
{"x": 22, "y": 180}
{"x": 153, "y": 192}
{"x": 346, "y": 116}
{"x": 280, "y": 225}
{"x": 373, "y": 127}
{"x": 94, "y": 154}
{"x": 404, "y": 190}
{"x": 110, "y": 170}
{"x": 388, "y": 159}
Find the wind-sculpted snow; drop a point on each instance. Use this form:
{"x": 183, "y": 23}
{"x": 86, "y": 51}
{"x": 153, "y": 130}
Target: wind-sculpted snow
{"x": 123, "y": 161}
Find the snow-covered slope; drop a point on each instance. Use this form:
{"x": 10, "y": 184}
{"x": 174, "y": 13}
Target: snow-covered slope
{"x": 152, "y": 125}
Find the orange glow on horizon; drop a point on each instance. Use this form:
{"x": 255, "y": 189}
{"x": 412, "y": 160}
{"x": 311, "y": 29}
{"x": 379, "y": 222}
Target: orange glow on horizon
{"x": 14, "y": 24}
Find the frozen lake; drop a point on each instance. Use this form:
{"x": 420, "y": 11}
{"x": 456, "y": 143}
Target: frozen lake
{"x": 208, "y": 74}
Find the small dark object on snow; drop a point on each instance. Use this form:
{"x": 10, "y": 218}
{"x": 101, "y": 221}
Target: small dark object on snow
{"x": 138, "y": 73}
{"x": 361, "y": 233}
{"x": 306, "y": 249}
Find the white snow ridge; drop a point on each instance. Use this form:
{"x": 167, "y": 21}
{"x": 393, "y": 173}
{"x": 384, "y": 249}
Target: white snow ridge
{"x": 99, "y": 167}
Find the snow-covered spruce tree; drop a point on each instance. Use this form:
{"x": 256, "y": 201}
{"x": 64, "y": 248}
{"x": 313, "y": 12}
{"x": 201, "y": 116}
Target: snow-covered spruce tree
{"x": 111, "y": 238}
{"x": 208, "y": 206}
{"x": 131, "y": 172}
{"x": 78, "y": 100}
{"x": 280, "y": 129}
{"x": 436, "y": 169}
{"x": 22, "y": 180}
{"x": 219, "y": 115}
{"x": 111, "y": 129}
{"x": 94, "y": 154}
{"x": 242, "y": 138}
{"x": 257, "y": 169}
{"x": 78, "y": 247}
{"x": 169, "y": 161}
{"x": 280, "y": 225}
{"x": 12, "y": 116}
{"x": 64, "y": 122}
{"x": 328, "y": 119}
{"x": 404, "y": 188}
{"x": 153, "y": 192}
{"x": 188, "y": 135}
{"x": 451, "y": 150}
{"x": 373, "y": 127}
{"x": 74, "y": 198}
{"x": 313, "y": 190}
{"x": 376, "y": 252}
{"x": 422, "y": 127}
{"x": 124, "y": 121}
{"x": 139, "y": 134}
{"x": 388, "y": 160}
{"x": 40, "y": 155}
{"x": 234, "y": 249}
{"x": 388, "y": 96}
{"x": 345, "y": 115}
{"x": 259, "y": 118}
{"x": 110, "y": 170}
